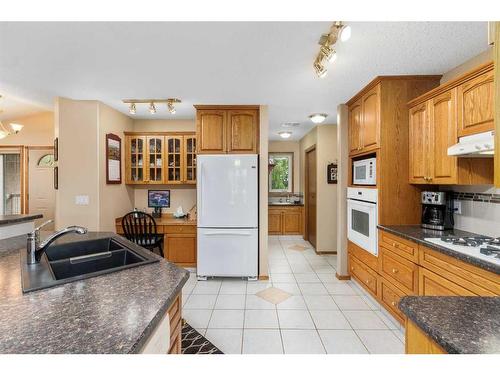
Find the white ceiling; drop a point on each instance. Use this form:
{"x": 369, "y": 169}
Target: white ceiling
{"x": 222, "y": 63}
{"x": 12, "y": 108}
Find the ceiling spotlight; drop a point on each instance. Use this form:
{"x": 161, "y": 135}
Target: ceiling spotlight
{"x": 318, "y": 118}
{"x": 285, "y": 134}
{"x": 152, "y": 108}
{"x": 329, "y": 53}
{"x": 171, "y": 107}
{"x": 131, "y": 109}
{"x": 320, "y": 69}
{"x": 345, "y": 33}
{"x": 16, "y": 127}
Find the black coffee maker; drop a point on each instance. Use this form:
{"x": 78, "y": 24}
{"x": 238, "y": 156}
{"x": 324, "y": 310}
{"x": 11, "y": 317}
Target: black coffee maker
{"x": 437, "y": 210}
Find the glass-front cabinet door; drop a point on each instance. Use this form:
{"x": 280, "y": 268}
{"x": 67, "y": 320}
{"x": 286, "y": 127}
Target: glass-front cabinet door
{"x": 190, "y": 162}
{"x": 156, "y": 159}
{"x": 174, "y": 159}
{"x": 136, "y": 159}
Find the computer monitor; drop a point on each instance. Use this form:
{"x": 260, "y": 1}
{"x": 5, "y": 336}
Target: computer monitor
{"x": 158, "y": 198}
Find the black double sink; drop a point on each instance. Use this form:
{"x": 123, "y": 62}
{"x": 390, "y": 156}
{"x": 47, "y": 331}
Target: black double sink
{"x": 72, "y": 261}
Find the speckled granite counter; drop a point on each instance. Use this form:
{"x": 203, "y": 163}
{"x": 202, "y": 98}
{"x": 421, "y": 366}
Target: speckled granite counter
{"x": 418, "y": 234}
{"x": 114, "y": 313}
{"x": 464, "y": 325}
{"x": 14, "y": 219}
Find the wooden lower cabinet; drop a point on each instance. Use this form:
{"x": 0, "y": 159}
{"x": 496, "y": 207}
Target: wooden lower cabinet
{"x": 417, "y": 342}
{"x": 175, "y": 314}
{"x": 181, "y": 249}
{"x": 393, "y": 275}
{"x": 286, "y": 220}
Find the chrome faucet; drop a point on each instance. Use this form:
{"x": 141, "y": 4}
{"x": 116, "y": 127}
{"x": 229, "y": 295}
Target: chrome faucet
{"x": 35, "y": 248}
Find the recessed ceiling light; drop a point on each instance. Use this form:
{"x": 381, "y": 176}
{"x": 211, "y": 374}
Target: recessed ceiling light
{"x": 285, "y": 134}
{"x": 318, "y": 118}
{"x": 345, "y": 33}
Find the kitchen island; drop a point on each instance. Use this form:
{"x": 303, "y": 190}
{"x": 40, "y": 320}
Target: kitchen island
{"x": 459, "y": 325}
{"x": 116, "y": 313}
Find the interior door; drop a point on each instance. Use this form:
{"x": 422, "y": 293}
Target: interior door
{"x": 41, "y": 193}
{"x": 311, "y": 196}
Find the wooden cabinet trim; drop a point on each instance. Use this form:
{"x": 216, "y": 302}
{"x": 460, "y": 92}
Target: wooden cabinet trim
{"x": 473, "y": 73}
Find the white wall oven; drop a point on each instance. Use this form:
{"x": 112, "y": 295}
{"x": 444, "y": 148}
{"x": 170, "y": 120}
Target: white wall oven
{"x": 364, "y": 172}
{"x": 362, "y": 218}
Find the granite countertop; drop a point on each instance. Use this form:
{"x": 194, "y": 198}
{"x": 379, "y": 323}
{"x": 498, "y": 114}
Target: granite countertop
{"x": 13, "y": 219}
{"x": 418, "y": 234}
{"x": 113, "y": 313}
{"x": 462, "y": 325}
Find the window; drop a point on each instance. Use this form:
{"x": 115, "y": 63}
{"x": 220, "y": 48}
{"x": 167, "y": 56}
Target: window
{"x": 281, "y": 176}
{"x": 46, "y": 161}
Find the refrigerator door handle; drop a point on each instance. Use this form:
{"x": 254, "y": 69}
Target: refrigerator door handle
{"x": 228, "y": 233}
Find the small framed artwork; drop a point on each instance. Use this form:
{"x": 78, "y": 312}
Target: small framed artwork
{"x": 56, "y": 149}
{"x": 56, "y": 178}
{"x": 113, "y": 159}
{"x": 331, "y": 173}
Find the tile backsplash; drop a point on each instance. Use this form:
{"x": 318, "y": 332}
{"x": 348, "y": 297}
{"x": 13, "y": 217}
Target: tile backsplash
{"x": 480, "y": 206}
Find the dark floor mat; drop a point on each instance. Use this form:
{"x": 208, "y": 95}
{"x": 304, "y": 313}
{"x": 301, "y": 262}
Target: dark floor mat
{"x": 194, "y": 342}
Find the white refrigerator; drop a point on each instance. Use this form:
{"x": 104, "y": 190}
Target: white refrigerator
{"x": 227, "y": 201}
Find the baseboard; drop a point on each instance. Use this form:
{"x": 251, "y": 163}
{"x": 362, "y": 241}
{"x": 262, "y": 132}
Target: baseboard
{"x": 325, "y": 252}
{"x": 342, "y": 277}
{"x": 264, "y": 277}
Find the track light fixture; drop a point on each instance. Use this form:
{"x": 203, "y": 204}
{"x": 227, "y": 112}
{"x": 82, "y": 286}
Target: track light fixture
{"x": 152, "y": 108}
{"x": 131, "y": 109}
{"x": 152, "y": 104}
{"x": 327, "y": 42}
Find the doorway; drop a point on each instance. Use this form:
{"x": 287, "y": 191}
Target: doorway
{"x": 310, "y": 187}
{"x": 41, "y": 193}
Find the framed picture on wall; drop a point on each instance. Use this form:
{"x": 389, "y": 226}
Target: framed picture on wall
{"x": 113, "y": 159}
{"x": 331, "y": 173}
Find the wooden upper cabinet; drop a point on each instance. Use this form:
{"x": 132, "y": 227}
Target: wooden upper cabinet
{"x": 355, "y": 127}
{"x": 160, "y": 158}
{"x": 211, "y": 131}
{"x": 364, "y": 122}
{"x": 443, "y": 134}
{"x": 155, "y": 159}
{"x": 419, "y": 145}
{"x": 135, "y": 159}
{"x": 370, "y": 124}
{"x": 476, "y": 105}
{"x": 227, "y": 129}
{"x": 242, "y": 131}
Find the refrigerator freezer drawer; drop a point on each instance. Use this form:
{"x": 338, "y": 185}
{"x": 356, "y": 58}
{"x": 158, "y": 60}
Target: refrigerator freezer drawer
{"x": 229, "y": 252}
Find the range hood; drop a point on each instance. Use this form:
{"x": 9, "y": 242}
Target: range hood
{"x": 478, "y": 145}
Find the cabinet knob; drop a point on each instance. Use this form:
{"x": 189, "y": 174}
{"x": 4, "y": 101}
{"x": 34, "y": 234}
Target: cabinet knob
{"x": 393, "y": 303}
{"x": 367, "y": 281}
{"x": 394, "y": 270}
{"x": 352, "y": 268}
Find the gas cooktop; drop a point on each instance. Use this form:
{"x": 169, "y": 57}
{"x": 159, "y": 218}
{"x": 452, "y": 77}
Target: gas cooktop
{"x": 481, "y": 247}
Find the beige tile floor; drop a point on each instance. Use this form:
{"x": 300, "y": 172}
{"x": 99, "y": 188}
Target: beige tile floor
{"x": 321, "y": 315}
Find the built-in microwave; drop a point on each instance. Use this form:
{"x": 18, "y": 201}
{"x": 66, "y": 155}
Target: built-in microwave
{"x": 364, "y": 172}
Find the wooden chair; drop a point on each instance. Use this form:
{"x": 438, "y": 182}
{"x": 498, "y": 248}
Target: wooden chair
{"x": 140, "y": 228}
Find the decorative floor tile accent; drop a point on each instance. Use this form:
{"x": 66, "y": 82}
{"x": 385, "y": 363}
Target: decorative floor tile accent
{"x": 274, "y": 295}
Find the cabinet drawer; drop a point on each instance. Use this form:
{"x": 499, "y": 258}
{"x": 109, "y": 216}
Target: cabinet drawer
{"x": 389, "y": 295}
{"x": 431, "y": 284}
{"x": 401, "y": 272}
{"x": 180, "y": 229}
{"x": 474, "y": 279}
{"x": 364, "y": 256}
{"x": 363, "y": 274}
{"x": 406, "y": 249}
